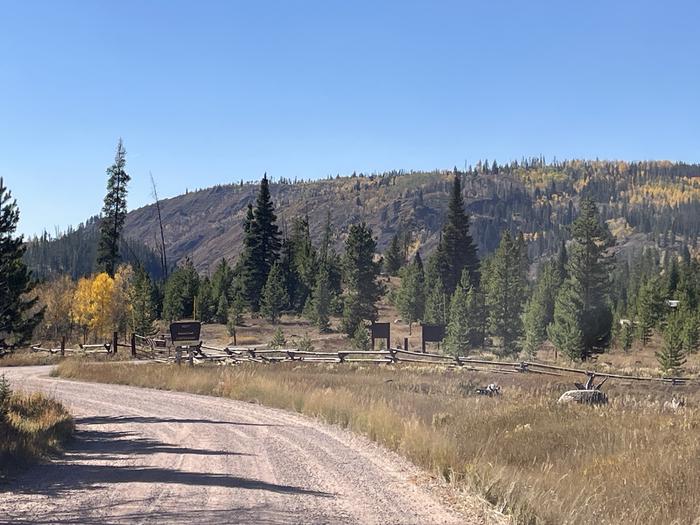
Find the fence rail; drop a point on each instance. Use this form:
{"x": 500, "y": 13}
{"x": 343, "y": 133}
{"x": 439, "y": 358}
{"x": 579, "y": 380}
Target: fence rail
{"x": 157, "y": 350}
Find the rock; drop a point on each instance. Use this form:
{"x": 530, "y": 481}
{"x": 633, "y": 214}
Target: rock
{"x": 590, "y": 397}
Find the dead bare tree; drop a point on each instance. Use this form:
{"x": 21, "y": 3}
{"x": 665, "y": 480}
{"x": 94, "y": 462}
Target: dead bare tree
{"x": 163, "y": 258}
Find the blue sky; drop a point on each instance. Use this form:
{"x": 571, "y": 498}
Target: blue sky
{"x": 206, "y": 92}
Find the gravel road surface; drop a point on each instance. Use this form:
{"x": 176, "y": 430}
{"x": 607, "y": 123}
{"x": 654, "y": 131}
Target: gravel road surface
{"x": 150, "y": 456}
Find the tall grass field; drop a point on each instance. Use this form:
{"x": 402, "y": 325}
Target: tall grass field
{"x": 631, "y": 461}
{"x": 32, "y": 426}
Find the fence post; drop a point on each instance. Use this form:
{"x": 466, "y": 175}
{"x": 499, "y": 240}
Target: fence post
{"x": 405, "y": 343}
{"x": 133, "y": 345}
{"x": 63, "y": 345}
{"x": 114, "y": 342}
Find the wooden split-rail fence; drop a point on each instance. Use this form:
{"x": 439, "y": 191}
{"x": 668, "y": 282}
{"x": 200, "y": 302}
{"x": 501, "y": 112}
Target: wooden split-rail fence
{"x": 158, "y": 349}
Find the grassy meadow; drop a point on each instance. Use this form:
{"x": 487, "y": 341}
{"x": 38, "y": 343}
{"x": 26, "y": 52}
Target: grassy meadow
{"x": 32, "y": 426}
{"x": 632, "y": 461}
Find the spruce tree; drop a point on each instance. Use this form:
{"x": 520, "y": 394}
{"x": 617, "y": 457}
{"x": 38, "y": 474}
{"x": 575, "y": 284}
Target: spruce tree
{"x": 393, "y": 257}
{"x": 17, "y": 319}
{"x": 672, "y": 357}
{"x": 113, "y": 213}
{"x": 436, "y": 306}
{"x": 457, "y": 337}
{"x": 302, "y": 264}
{"x": 221, "y": 281}
{"x": 143, "y": 309}
{"x": 477, "y": 317}
{"x": 181, "y": 289}
{"x": 539, "y": 311}
{"x": 457, "y": 249}
{"x": 322, "y": 300}
{"x": 505, "y": 285}
{"x": 206, "y": 303}
{"x": 566, "y": 331}
{"x": 222, "y": 309}
{"x": 360, "y": 276}
{"x": 274, "y": 295}
{"x": 588, "y": 286}
{"x": 649, "y": 309}
{"x": 261, "y": 245}
{"x": 410, "y": 300}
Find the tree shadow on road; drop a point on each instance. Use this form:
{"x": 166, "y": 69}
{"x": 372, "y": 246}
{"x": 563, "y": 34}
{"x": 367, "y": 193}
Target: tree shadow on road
{"x": 89, "y": 465}
{"x": 109, "y": 420}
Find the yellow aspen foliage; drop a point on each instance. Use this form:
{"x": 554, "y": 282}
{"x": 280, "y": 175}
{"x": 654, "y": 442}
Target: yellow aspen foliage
{"x": 121, "y": 297}
{"x": 82, "y": 304}
{"x": 102, "y": 306}
{"x": 57, "y": 298}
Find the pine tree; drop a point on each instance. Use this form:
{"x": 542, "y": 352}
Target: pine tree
{"x": 457, "y": 248}
{"x": 649, "y": 309}
{"x": 274, "y": 295}
{"x": 566, "y": 332}
{"x": 113, "y": 213}
{"x": 539, "y": 311}
{"x": 360, "y": 275}
{"x": 360, "y": 338}
{"x": 17, "y": 319}
{"x": 302, "y": 264}
{"x": 505, "y": 285}
{"x": 457, "y": 337}
{"x": 222, "y": 309}
{"x": 671, "y": 357}
{"x": 322, "y": 300}
{"x": 206, "y": 303}
{"x": 626, "y": 338}
{"x": 393, "y": 257}
{"x": 588, "y": 287}
{"x": 477, "y": 317}
{"x": 410, "y": 300}
{"x": 181, "y": 289}
{"x": 142, "y": 305}
{"x": 436, "y": 307}
{"x": 221, "y": 281}
{"x": 261, "y": 245}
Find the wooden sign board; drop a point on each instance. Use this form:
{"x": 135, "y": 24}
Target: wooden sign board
{"x": 432, "y": 333}
{"x": 185, "y": 332}
{"x": 381, "y": 331}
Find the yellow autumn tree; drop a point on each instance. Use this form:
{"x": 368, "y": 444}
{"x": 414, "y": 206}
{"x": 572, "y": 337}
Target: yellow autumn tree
{"x": 81, "y": 308}
{"x": 57, "y": 298}
{"x": 93, "y": 306}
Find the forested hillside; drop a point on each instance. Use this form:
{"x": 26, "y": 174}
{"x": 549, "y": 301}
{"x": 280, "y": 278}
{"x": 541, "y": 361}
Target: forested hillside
{"x": 654, "y": 203}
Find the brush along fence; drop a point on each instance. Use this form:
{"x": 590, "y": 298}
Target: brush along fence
{"x": 242, "y": 354}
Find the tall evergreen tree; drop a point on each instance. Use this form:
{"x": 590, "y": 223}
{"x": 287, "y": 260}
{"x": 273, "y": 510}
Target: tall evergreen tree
{"x": 261, "y": 244}
{"x": 436, "y": 303}
{"x": 672, "y": 357}
{"x": 457, "y": 337}
{"x": 649, "y": 309}
{"x": 393, "y": 257}
{"x": 457, "y": 249}
{"x": 588, "y": 280}
{"x": 274, "y": 295}
{"x": 143, "y": 311}
{"x": 303, "y": 263}
{"x": 181, "y": 289}
{"x": 17, "y": 321}
{"x": 113, "y": 213}
{"x": 566, "y": 330}
{"x": 505, "y": 293}
{"x": 360, "y": 275}
{"x": 410, "y": 300}
{"x": 206, "y": 303}
{"x": 222, "y": 281}
{"x": 539, "y": 311}
{"x": 322, "y": 300}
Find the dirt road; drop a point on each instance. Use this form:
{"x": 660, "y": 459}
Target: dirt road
{"x": 148, "y": 456}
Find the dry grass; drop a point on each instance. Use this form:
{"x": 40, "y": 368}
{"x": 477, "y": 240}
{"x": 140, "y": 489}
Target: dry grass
{"x": 31, "y": 427}
{"x": 628, "y": 462}
{"x": 28, "y": 358}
